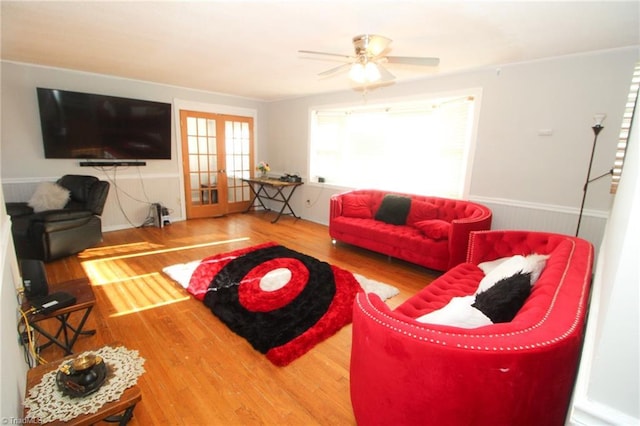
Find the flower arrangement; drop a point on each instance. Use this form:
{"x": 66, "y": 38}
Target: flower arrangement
{"x": 263, "y": 167}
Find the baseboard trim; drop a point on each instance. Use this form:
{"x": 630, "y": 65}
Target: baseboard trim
{"x": 587, "y": 413}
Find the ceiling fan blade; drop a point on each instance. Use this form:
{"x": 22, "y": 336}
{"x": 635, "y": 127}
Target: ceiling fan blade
{"x": 334, "y": 70}
{"x": 338, "y": 55}
{"x": 413, "y": 60}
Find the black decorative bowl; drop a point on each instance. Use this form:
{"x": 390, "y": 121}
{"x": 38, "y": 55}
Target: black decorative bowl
{"x": 81, "y": 376}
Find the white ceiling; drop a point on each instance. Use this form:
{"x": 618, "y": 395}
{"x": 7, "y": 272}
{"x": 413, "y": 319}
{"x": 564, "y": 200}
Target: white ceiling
{"x": 250, "y": 48}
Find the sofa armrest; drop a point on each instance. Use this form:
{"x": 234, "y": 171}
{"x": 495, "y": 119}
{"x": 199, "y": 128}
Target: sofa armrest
{"x": 60, "y": 220}
{"x": 461, "y": 230}
{"x": 15, "y": 209}
{"x": 335, "y": 206}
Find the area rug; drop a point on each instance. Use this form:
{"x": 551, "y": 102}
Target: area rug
{"x": 281, "y": 301}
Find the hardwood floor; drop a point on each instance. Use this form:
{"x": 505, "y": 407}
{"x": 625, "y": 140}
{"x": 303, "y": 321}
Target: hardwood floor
{"x": 197, "y": 371}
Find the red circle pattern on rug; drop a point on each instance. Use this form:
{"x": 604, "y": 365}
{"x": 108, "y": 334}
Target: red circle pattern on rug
{"x": 254, "y": 298}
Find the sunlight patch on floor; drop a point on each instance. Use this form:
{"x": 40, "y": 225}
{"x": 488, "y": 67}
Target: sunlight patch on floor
{"x": 139, "y": 293}
{"x": 121, "y": 248}
{"x": 156, "y": 249}
{"x": 128, "y": 285}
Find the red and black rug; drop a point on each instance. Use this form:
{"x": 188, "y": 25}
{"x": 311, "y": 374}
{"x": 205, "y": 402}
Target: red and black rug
{"x": 281, "y": 301}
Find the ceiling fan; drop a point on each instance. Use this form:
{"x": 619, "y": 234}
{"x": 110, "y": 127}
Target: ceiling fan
{"x": 365, "y": 67}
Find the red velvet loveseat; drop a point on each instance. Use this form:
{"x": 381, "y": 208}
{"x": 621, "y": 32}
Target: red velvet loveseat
{"x": 522, "y": 372}
{"x": 435, "y": 233}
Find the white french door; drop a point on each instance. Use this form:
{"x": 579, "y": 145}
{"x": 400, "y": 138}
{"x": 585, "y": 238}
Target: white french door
{"x": 217, "y": 153}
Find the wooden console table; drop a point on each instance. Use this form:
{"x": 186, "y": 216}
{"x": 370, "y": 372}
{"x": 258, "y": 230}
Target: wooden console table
{"x": 260, "y": 193}
{"x": 66, "y": 334}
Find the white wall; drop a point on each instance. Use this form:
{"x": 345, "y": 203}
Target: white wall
{"x": 514, "y": 167}
{"x": 13, "y": 369}
{"x": 23, "y": 162}
{"x": 608, "y": 391}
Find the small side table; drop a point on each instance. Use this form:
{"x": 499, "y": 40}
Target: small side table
{"x": 258, "y": 188}
{"x": 66, "y": 334}
{"x": 119, "y": 411}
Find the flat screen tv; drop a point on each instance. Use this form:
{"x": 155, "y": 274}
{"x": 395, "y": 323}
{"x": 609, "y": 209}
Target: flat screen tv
{"x": 88, "y": 126}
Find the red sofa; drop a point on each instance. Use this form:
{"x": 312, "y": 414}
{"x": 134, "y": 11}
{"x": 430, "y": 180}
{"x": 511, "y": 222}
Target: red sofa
{"x": 435, "y": 234}
{"x": 522, "y": 372}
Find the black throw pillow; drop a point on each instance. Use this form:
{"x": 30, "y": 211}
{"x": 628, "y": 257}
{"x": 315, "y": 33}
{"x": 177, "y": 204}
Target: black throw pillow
{"x": 394, "y": 209}
{"x": 504, "y": 299}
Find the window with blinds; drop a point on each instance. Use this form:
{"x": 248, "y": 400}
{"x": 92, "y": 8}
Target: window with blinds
{"x": 625, "y": 128}
{"x": 417, "y": 147}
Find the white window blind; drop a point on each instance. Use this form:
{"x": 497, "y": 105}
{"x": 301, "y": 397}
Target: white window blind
{"x": 419, "y": 147}
{"x": 625, "y": 128}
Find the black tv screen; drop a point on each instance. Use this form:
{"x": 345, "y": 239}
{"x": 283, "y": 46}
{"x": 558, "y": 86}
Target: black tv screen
{"x": 88, "y": 126}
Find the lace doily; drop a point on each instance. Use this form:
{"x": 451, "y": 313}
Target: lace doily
{"x": 46, "y": 402}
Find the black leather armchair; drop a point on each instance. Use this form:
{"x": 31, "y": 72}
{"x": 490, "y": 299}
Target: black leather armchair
{"x": 53, "y": 234}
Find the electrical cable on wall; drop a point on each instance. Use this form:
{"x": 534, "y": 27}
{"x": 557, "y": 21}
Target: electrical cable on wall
{"x": 149, "y": 219}
{"x": 31, "y": 352}
{"x": 309, "y": 203}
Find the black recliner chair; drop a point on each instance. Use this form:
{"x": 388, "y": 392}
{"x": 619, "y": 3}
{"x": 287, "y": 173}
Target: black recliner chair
{"x": 53, "y": 234}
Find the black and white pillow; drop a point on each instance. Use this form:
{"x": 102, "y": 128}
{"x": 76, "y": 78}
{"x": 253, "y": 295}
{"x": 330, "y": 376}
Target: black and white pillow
{"x": 459, "y": 312}
{"x": 505, "y": 267}
{"x": 503, "y": 300}
{"x": 499, "y": 297}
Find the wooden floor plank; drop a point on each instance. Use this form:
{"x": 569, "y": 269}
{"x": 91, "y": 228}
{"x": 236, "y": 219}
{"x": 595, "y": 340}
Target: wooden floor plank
{"x": 197, "y": 370}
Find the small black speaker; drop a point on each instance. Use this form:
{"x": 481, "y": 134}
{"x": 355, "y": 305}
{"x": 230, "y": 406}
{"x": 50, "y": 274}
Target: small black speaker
{"x": 34, "y": 278}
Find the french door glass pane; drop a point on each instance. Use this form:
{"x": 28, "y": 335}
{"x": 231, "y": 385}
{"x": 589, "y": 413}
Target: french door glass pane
{"x": 191, "y": 126}
{"x": 193, "y": 162}
{"x": 192, "y": 144}
{"x": 203, "y": 147}
{"x": 211, "y": 128}
{"x": 202, "y": 126}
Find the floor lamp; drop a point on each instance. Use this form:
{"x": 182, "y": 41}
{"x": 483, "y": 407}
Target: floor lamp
{"x": 597, "y": 127}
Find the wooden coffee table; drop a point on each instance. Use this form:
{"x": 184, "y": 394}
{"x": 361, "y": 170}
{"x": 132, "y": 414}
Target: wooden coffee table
{"x": 119, "y": 411}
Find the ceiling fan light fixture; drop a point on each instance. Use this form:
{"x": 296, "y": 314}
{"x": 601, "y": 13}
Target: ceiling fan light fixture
{"x": 371, "y": 72}
{"x": 370, "y": 44}
{"x": 356, "y": 73}
{"x": 364, "y": 73}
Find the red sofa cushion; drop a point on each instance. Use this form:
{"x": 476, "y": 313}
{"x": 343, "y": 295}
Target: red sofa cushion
{"x": 421, "y": 210}
{"x": 354, "y": 205}
{"x": 435, "y": 229}
{"x": 403, "y": 242}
